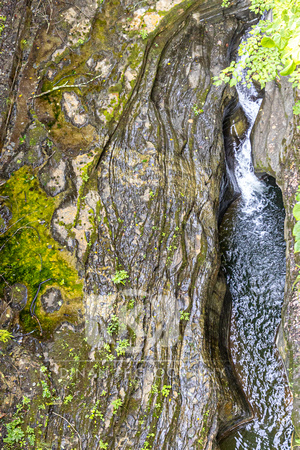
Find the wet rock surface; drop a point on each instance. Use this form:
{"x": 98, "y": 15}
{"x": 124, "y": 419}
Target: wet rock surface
{"x": 132, "y": 171}
{"x": 17, "y": 296}
{"x": 52, "y": 300}
{"x": 276, "y": 142}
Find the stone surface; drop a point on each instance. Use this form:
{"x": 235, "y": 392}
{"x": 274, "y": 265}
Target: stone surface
{"x": 135, "y": 177}
{"x": 17, "y": 296}
{"x": 52, "y": 300}
{"x": 5, "y": 216}
{"x": 276, "y": 142}
{"x": 272, "y": 132}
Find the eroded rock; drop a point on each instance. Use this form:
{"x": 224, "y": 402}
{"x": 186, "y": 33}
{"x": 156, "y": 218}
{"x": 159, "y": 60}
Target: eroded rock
{"x": 52, "y": 300}
{"x": 143, "y": 175}
{"x": 73, "y": 109}
{"x": 17, "y": 296}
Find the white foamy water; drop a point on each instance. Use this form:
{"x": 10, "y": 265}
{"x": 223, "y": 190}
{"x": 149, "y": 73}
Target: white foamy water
{"x": 253, "y": 251}
{"x": 247, "y": 181}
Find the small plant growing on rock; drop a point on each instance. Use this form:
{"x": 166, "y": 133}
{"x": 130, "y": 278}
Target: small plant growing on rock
{"x": 5, "y": 336}
{"x": 144, "y": 34}
{"x": 116, "y": 404}
{"x": 120, "y": 277}
{"x": 2, "y": 23}
{"x": 122, "y": 346}
{"x": 113, "y": 326}
{"x": 197, "y": 110}
{"x": 184, "y": 315}
{"x": 166, "y": 390}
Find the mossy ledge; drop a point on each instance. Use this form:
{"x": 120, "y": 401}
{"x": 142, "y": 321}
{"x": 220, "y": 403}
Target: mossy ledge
{"x": 30, "y": 255}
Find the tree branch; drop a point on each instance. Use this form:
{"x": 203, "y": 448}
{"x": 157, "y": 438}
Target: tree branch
{"x": 65, "y": 86}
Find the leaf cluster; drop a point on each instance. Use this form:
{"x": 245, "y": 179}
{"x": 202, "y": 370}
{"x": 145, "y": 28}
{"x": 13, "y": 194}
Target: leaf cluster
{"x": 272, "y": 48}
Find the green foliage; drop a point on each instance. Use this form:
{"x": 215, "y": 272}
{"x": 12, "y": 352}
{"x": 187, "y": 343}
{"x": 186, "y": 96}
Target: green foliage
{"x": 197, "y": 110}
{"x": 113, "y": 326}
{"x": 85, "y": 172}
{"x": 144, "y": 34}
{"x": 68, "y": 399}
{"x": 116, "y": 405}
{"x": 5, "y": 336}
{"x": 14, "y": 431}
{"x": 95, "y": 412}
{"x": 120, "y": 277}
{"x": 225, "y": 3}
{"x": 165, "y": 390}
{"x": 46, "y": 391}
{"x": 2, "y": 23}
{"x": 184, "y": 315}
{"x": 122, "y": 346}
{"x": 30, "y": 435}
{"x": 272, "y": 49}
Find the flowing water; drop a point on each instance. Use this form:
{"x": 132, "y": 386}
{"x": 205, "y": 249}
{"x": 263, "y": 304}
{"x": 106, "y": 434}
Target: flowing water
{"x": 253, "y": 249}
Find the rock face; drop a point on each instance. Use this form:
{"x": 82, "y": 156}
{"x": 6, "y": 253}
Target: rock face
{"x": 275, "y": 139}
{"x": 113, "y": 150}
{"x": 17, "y": 296}
{"x": 52, "y": 300}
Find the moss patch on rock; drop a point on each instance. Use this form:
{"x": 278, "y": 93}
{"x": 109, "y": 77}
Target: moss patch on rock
{"x": 30, "y": 255}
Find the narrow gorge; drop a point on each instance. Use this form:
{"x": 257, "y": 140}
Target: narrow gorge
{"x": 146, "y": 270}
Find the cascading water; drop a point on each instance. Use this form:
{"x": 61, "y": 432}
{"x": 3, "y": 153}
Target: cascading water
{"x": 253, "y": 249}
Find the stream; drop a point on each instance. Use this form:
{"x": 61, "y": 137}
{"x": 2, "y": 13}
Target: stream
{"x": 253, "y": 251}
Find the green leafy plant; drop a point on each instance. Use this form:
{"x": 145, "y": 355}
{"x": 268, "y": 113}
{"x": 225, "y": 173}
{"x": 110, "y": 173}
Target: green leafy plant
{"x": 131, "y": 303}
{"x": 68, "y": 399}
{"x": 165, "y": 390}
{"x": 272, "y": 49}
{"x": 2, "y": 23}
{"x": 122, "y": 346}
{"x": 14, "y": 431}
{"x": 113, "y": 326}
{"x": 5, "y": 336}
{"x": 30, "y": 435}
{"x": 197, "y": 110}
{"x": 95, "y": 412}
{"x": 46, "y": 391}
{"x": 120, "y": 277}
{"x": 184, "y": 315}
{"x": 116, "y": 405}
{"x": 144, "y": 34}
{"x": 15, "y": 434}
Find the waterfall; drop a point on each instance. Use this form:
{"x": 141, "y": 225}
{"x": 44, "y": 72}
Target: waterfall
{"x": 253, "y": 251}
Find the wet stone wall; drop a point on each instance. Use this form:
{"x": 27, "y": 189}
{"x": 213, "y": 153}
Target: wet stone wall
{"x": 112, "y": 163}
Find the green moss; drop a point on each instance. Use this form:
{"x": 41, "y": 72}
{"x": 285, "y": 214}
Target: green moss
{"x": 29, "y": 254}
{"x": 117, "y": 88}
{"x": 136, "y": 56}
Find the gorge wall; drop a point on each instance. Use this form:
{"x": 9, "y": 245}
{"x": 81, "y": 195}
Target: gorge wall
{"x": 275, "y": 144}
{"x": 109, "y": 207}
